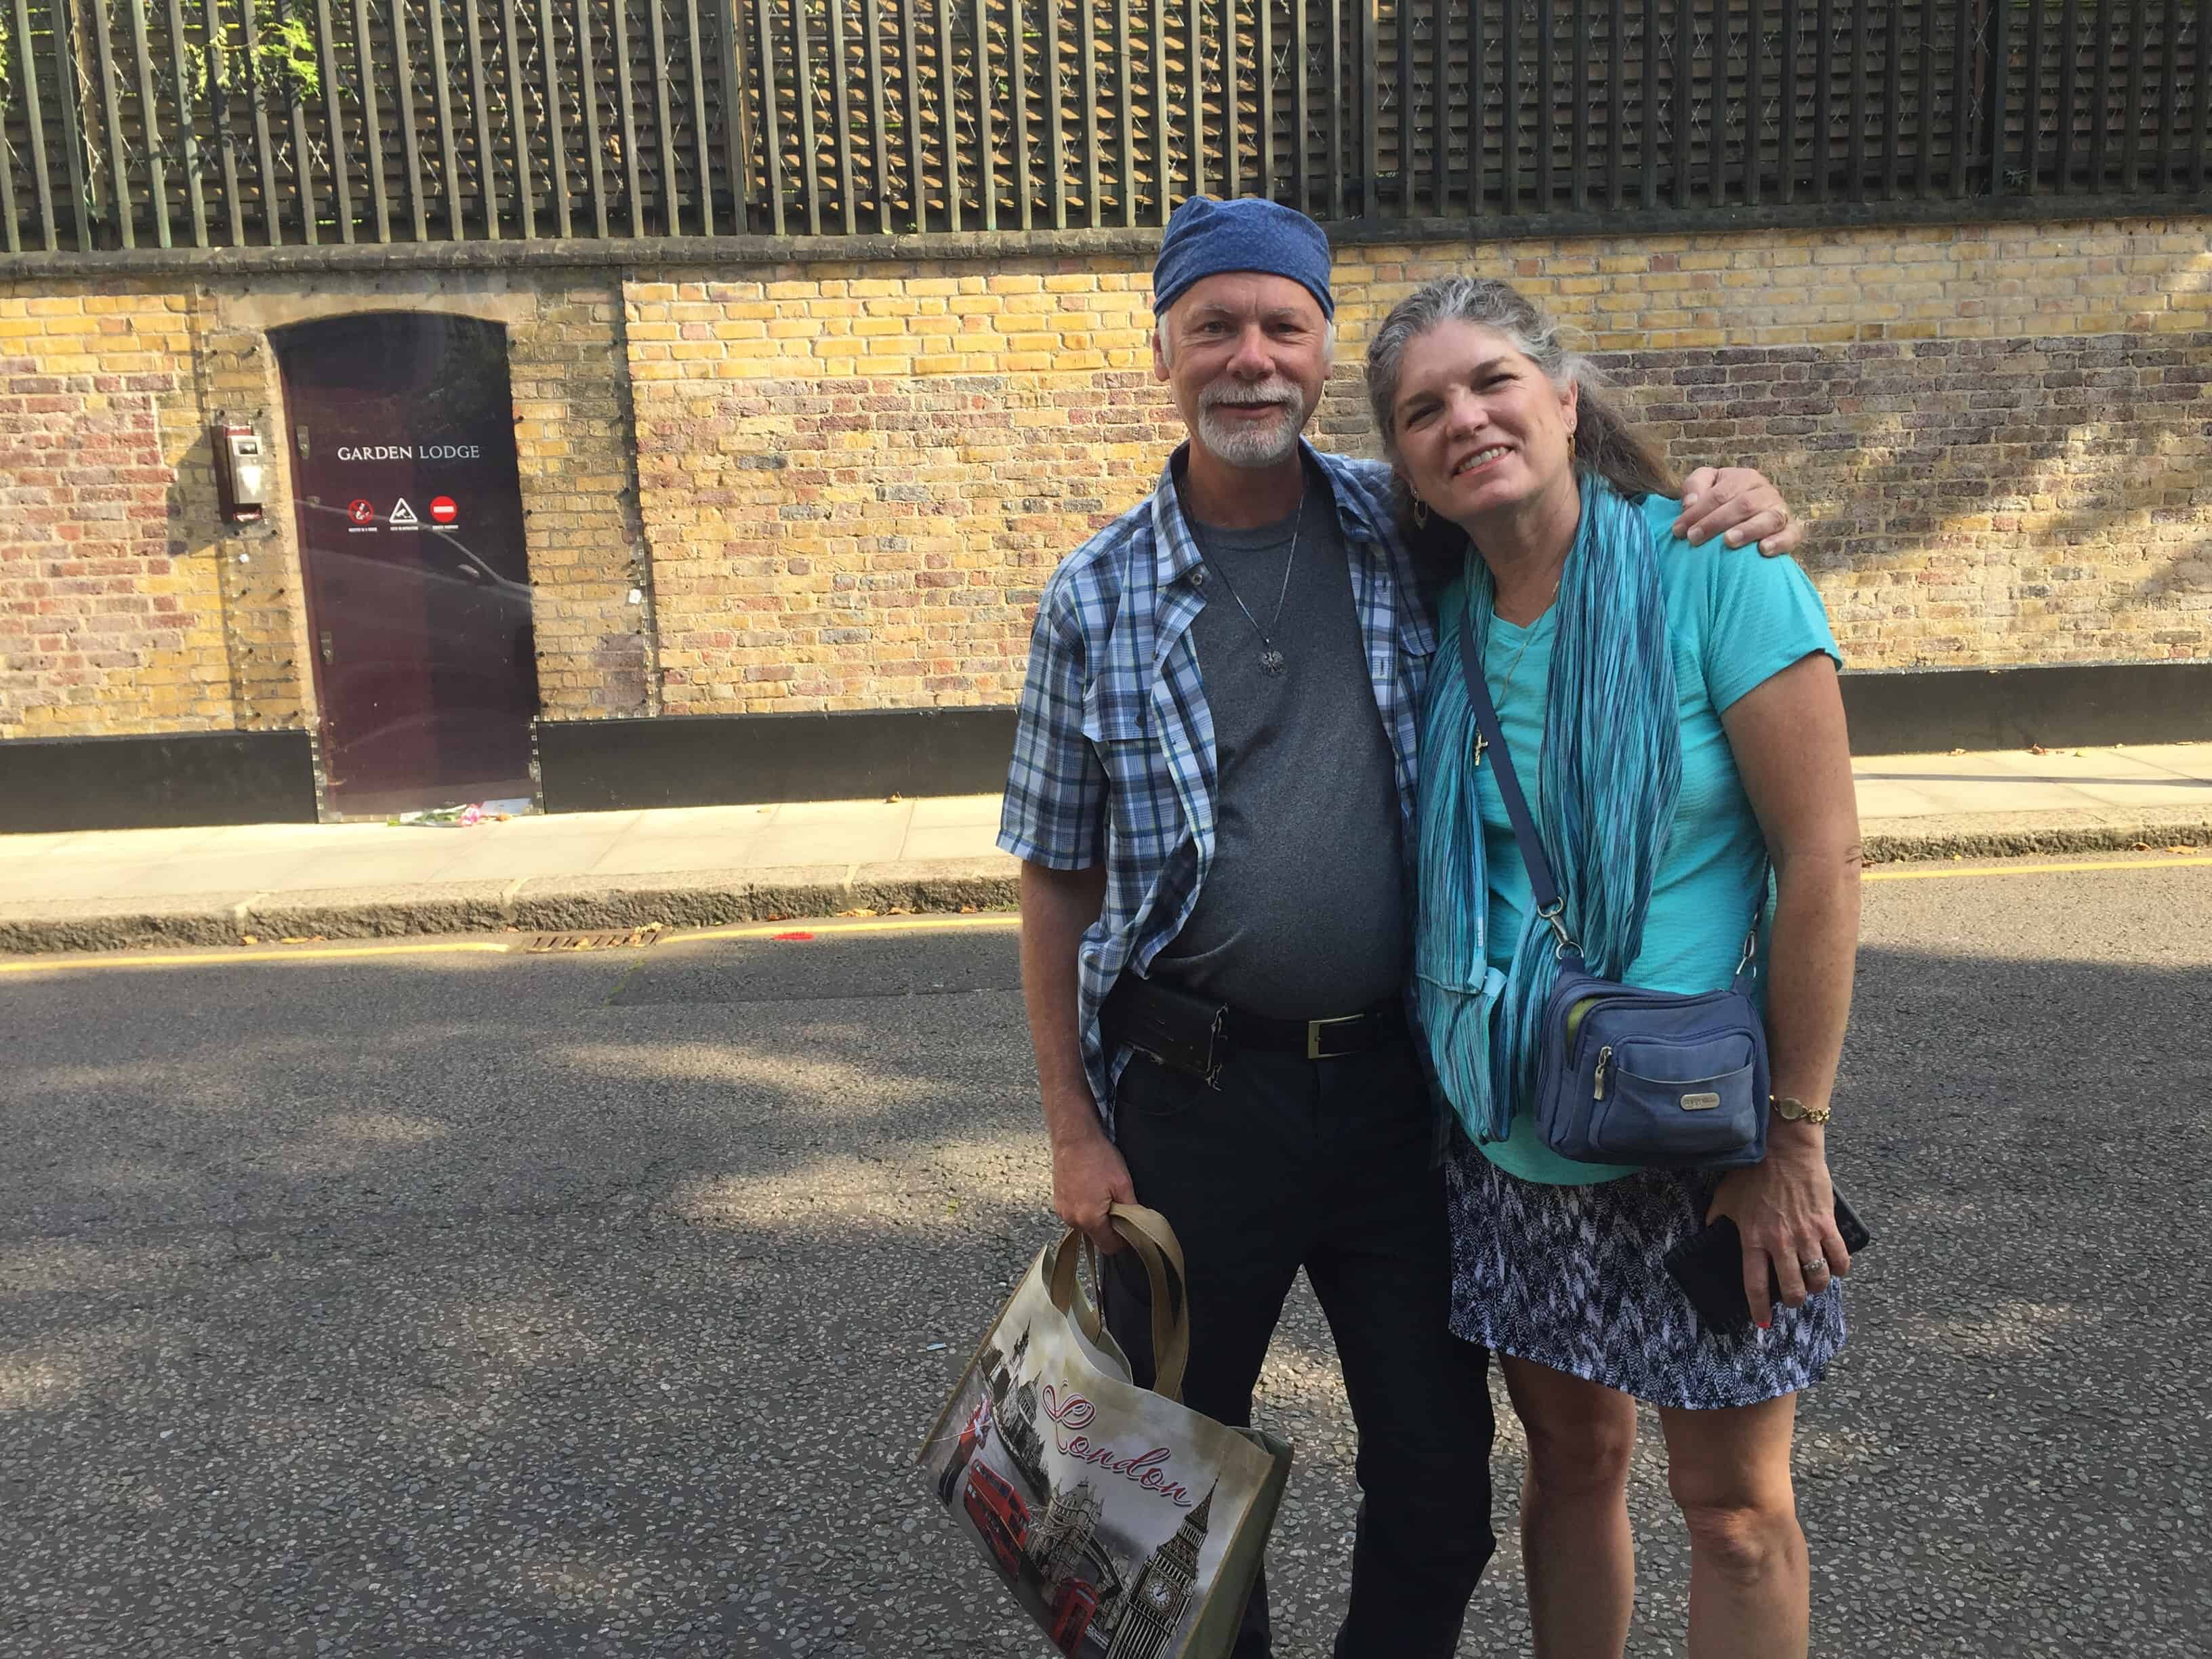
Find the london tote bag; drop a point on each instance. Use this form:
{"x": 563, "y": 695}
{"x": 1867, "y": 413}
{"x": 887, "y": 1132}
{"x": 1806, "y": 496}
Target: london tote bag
{"x": 1127, "y": 1525}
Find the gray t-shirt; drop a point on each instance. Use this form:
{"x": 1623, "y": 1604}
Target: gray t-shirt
{"x": 1302, "y": 915}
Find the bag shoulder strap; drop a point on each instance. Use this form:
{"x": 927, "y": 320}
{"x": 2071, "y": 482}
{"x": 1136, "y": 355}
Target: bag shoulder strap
{"x": 1547, "y": 890}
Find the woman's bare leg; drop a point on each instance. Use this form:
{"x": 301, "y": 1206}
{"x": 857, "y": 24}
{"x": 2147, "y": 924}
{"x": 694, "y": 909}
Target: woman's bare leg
{"x": 1576, "y": 1551}
{"x": 1750, "y": 1591}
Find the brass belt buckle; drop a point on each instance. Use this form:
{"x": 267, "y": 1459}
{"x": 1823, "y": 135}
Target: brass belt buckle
{"x": 1314, "y": 1028}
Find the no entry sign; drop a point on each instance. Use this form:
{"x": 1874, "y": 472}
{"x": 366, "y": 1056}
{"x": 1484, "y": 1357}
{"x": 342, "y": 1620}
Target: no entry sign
{"x": 442, "y": 510}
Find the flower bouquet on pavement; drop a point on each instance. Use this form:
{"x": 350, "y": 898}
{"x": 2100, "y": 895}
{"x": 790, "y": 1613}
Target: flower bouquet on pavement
{"x": 1127, "y": 1525}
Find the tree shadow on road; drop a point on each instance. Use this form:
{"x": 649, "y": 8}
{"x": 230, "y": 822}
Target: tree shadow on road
{"x": 472, "y": 1306}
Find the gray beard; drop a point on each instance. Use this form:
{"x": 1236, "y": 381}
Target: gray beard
{"x": 1252, "y": 447}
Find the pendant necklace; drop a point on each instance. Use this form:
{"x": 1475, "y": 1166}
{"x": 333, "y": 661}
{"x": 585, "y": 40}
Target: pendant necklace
{"x": 1527, "y": 638}
{"x": 1270, "y": 659}
{"x": 1481, "y": 743}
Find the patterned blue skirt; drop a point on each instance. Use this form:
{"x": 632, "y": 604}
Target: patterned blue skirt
{"x": 1574, "y": 1278}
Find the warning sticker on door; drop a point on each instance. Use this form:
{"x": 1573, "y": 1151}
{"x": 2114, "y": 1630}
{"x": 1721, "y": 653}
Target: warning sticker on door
{"x": 443, "y": 510}
{"x": 403, "y": 516}
{"x": 361, "y": 512}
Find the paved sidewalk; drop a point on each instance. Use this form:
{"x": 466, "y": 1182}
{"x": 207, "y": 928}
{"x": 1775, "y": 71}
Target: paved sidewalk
{"x": 107, "y": 890}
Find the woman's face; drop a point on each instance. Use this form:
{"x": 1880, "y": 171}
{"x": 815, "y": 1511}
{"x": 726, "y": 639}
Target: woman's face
{"x": 1480, "y": 428}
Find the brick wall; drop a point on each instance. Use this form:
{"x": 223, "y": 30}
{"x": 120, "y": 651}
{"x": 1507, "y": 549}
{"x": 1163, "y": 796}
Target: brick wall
{"x": 103, "y": 626}
{"x": 857, "y": 477}
{"x": 856, "y": 483}
{"x": 1977, "y": 500}
{"x": 579, "y": 489}
{"x": 842, "y": 485}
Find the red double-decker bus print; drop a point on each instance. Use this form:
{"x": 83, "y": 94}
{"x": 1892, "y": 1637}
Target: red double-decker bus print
{"x": 999, "y": 1515}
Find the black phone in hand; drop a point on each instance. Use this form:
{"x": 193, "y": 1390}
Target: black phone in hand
{"x": 1710, "y": 1269}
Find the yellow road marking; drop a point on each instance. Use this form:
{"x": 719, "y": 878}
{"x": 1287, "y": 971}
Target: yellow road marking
{"x": 220, "y": 956}
{"x": 205, "y": 958}
{"x": 2039, "y": 869}
{"x": 839, "y": 926}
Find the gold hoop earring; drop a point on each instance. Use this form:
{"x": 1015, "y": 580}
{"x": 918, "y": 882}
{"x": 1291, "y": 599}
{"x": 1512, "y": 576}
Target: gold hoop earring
{"x": 1420, "y": 513}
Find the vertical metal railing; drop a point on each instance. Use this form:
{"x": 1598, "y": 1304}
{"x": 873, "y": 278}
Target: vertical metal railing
{"x": 131, "y": 123}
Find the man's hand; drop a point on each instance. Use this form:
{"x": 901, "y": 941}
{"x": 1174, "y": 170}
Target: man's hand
{"x": 1088, "y": 1176}
{"x": 1737, "y": 504}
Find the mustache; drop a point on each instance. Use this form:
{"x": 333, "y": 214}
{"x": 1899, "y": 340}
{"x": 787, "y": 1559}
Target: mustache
{"x": 1280, "y": 392}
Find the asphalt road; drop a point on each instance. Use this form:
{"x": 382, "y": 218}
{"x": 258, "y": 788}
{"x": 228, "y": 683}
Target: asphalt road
{"x": 593, "y": 1305}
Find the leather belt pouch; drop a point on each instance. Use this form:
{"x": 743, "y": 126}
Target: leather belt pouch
{"x": 1180, "y": 1029}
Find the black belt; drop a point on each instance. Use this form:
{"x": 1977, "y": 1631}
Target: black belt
{"x": 1317, "y": 1039}
{"x": 1194, "y": 1033}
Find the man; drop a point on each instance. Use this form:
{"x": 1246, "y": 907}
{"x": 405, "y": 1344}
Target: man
{"x": 1212, "y": 794}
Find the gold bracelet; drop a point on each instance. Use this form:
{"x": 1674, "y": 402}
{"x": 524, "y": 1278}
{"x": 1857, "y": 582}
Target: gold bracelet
{"x": 1791, "y": 1110}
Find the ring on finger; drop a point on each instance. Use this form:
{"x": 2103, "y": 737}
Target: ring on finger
{"x": 1816, "y": 1268}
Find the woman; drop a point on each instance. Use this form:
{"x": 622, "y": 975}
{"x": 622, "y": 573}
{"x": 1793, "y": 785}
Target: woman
{"x": 1700, "y": 690}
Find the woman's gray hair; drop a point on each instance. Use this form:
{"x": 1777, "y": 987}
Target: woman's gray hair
{"x": 1604, "y": 441}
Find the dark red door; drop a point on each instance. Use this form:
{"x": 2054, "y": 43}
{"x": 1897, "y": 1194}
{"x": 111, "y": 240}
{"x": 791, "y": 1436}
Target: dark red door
{"x": 402, "y": 438}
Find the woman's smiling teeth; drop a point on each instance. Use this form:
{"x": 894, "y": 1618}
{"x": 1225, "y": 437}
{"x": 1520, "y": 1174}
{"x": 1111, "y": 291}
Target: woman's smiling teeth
{"x": 1480, "y": 458}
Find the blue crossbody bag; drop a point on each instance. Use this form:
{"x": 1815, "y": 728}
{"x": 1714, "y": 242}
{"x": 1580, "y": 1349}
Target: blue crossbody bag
{"x": 1630, "y": 1076}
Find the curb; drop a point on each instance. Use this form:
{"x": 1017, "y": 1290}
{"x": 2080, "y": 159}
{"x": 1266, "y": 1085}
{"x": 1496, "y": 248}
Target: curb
{"x": 2016, "y": 835}
{"x": 720, "y": 899}
{"x": 691, "y": 898}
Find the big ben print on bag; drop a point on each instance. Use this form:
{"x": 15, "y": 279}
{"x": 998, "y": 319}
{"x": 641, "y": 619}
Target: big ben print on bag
{"x": 1127, "y": 1525}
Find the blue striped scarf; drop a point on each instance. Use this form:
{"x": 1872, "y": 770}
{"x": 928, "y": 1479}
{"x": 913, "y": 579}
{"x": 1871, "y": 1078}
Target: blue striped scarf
{"x": 1610, "y": 775}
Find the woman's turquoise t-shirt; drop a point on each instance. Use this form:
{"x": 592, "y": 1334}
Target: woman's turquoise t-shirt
{"x": 1736, "y": 619}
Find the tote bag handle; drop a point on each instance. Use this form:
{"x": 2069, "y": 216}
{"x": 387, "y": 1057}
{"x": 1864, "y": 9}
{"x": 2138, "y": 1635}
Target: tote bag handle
{"x": 1147, "y": 1233}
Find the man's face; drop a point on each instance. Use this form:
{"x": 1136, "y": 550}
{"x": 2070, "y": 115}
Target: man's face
{"x": 1245, "y": 354}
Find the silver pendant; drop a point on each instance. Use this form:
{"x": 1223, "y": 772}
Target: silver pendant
{"x": 1272, "y": 661}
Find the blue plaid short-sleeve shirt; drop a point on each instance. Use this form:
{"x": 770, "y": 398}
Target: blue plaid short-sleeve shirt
{"x": 1114, "y": 757}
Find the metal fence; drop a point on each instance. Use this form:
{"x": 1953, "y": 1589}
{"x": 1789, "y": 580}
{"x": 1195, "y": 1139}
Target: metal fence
{"x": 214, "y": 123}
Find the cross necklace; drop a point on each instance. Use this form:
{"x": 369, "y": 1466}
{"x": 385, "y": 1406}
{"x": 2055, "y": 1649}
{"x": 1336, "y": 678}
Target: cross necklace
{"x": 1481, "y": 743}
{"x": 1270, "y": 658}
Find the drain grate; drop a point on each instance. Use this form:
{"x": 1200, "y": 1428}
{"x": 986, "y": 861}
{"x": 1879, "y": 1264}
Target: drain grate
{"x": 603, "y": 939}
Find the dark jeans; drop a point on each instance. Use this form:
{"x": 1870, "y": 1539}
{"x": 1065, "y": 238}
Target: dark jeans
{"x": 1328, "y": 1165}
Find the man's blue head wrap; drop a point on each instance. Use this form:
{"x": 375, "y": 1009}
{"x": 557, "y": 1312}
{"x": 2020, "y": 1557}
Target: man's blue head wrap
{"x": 1206, "y": 237}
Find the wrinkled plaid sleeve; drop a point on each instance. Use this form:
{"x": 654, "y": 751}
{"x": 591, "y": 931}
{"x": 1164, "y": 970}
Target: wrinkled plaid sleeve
{"x": 1054, "y": 813}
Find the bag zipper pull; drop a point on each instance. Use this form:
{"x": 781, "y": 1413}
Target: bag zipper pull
{"x": 1604, "y": 1057}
